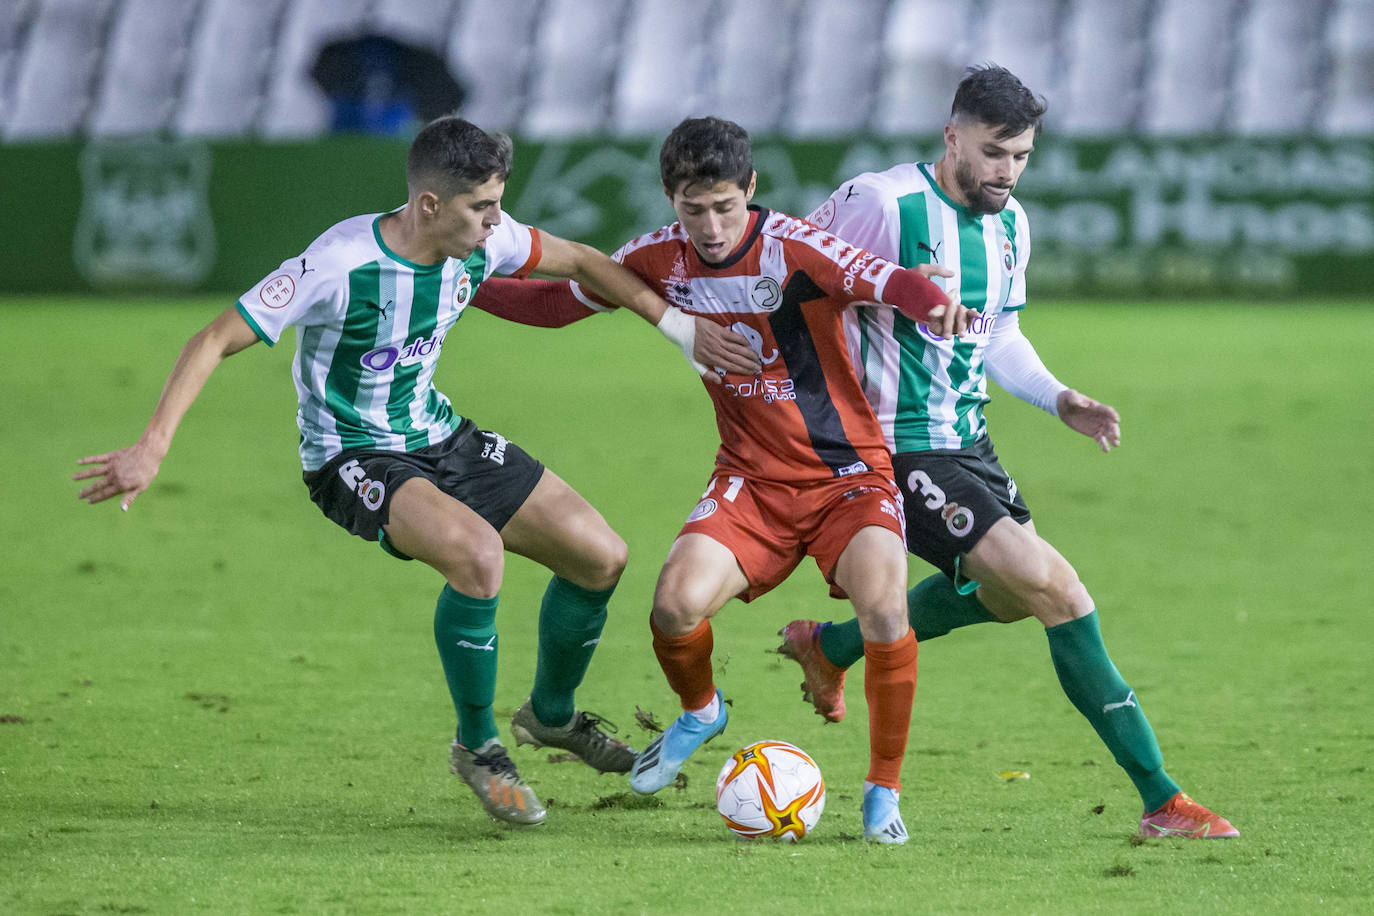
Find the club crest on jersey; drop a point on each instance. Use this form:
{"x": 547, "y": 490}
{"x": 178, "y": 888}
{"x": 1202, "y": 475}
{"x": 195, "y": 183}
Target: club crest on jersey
{"x": 704, "y": 509}
{"x": 766, "y": 294}
{"x": 1008, "y": 259}
{"x": 462, "y": 290}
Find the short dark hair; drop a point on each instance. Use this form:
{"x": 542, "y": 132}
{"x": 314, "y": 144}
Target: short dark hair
{"x": 709, "y": 150}
{"x": 452, "y": 156}
{"x": 994, "y": 96}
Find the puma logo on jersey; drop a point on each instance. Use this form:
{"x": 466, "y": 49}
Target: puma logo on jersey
{"x": 306, "y": 270}
{"x": 934, "y": 252}
{"x": 1129, "y": 701}
{"x": 849, "y": 193}
{"x": 380, "y": 308}
{"x": 488, "y": 646}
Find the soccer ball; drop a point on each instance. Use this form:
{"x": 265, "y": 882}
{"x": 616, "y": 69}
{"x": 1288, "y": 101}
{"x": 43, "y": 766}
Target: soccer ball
{"x": 770, "y": 789}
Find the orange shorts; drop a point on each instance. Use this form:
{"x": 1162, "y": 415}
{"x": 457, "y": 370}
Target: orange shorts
{"x": 770, "y": 526}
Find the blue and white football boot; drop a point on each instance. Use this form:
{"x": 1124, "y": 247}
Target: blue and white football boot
{"x": 882, "y": 820}
{"x": 660, "y": 762}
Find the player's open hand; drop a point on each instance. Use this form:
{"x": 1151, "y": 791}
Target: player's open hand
{"x": 1099, "y": 422}
{"x": 127, "y": 473}
{"x": 722, "y": 348}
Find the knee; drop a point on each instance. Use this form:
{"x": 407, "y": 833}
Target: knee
{"x": 1052, "y": 588}
{"x": 607, "y": 566}
{"x": 474, "y": 565}
{"x": 678, "y": 607}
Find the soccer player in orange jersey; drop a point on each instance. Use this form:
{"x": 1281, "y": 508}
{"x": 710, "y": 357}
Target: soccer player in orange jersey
{"x": 802, "y": 467}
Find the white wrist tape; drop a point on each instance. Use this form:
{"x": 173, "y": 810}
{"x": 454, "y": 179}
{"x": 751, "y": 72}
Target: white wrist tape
{"x": 681, "y": 329}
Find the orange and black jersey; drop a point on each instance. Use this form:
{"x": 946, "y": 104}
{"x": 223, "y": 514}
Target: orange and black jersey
{"x": 804, "y": 417}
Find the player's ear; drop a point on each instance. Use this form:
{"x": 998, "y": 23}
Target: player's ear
{"x": 753, "y": 183}
{"x": 428, "y": 202}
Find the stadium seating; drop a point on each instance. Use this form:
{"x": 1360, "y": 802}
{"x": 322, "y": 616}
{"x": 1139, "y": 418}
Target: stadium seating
{"x": 144, "y": 62}
{"x": 658, "y": 83}
{"x": 927, "y": 44}
{"x": 1186, "y": 89}
{"x": 1277, "y": 68}
{"x": 295, "y": 106}
{"x": 555, "y": 68}
{"x": 491, "y": 52}
{"x": 576, "y": 53}
{"x": 57, "y": 69}
{"x": 745, "y": 74}
{"x": 836, "y": 67}
{"x": 232, "y": 48}
{"x": 1349, "y": 107}
{"x": 1105, "y": 54}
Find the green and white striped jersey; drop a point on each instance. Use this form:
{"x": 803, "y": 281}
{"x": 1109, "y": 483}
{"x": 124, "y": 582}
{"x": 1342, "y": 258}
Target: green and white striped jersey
{"x": 370, "y": 325}
{"x": 928, "y": 392}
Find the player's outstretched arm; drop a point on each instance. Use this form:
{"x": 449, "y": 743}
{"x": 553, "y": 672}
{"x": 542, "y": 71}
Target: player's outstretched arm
{"x": 703, "y": 342}
{"x": 1099, "y": 422}
{"x": 128, "y": 471}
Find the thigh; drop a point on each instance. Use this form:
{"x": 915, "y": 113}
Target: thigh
{"x": 833, "y": 513}
{"x": 698, "y": 577}
{"x": 429, "y": 525}
{"x": 1021, "y": 575}
{"x": 872, "y": 571}
{"x": 559, "y": 529}
{"x": 742, "y": 515}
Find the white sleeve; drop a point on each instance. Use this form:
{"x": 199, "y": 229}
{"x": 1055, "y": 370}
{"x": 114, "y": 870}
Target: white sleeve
{"x": 862, "y": 213}
{"x": 293, "y": 294}
{"x": 512, "y": 249}
{"x": 1013, "y": 363}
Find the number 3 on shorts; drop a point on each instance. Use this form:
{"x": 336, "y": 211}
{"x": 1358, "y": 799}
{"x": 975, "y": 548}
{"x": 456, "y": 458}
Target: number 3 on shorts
{"x": 920, "y": 482}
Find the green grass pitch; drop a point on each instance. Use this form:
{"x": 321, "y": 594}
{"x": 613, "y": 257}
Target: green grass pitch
{"x": 220, "y": 703}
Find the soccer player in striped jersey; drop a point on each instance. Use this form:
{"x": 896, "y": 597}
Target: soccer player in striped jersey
{"x": 386, "y": 457}
{"x": 802, "y": 468}
{"x": 964, "y": 513}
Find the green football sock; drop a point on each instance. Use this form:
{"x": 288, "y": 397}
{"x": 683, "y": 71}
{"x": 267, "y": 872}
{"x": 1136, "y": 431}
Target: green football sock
{"x": 1096, "y": 689}
{"x": 570, "y": 622}
{"x": 933, "y": 606}
{"x": 465, "y": 632}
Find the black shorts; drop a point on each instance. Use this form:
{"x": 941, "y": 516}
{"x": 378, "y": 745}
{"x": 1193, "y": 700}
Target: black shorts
{"x": 951, "y": 498}
{"x": 481, "y": 469}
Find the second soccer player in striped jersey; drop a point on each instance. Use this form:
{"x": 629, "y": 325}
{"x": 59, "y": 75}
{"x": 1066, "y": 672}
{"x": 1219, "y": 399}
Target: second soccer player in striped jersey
{"x": 964, "y": 514}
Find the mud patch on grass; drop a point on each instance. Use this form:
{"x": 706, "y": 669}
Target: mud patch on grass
{"x": 216, "y": 701}
{"x": 627, "y": 801}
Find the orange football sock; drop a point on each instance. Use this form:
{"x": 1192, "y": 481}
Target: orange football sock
{"x": 686, "y": 661}
{"x": 890, "y": 688}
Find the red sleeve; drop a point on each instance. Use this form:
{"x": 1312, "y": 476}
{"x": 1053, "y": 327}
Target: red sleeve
{"x": 537, "y": 303}
{"x": 536, "y": 255}
{"x": 913, "y": 294}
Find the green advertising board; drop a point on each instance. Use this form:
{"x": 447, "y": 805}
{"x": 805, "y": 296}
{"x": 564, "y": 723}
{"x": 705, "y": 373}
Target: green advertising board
{"x": 1114, "y": 217}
